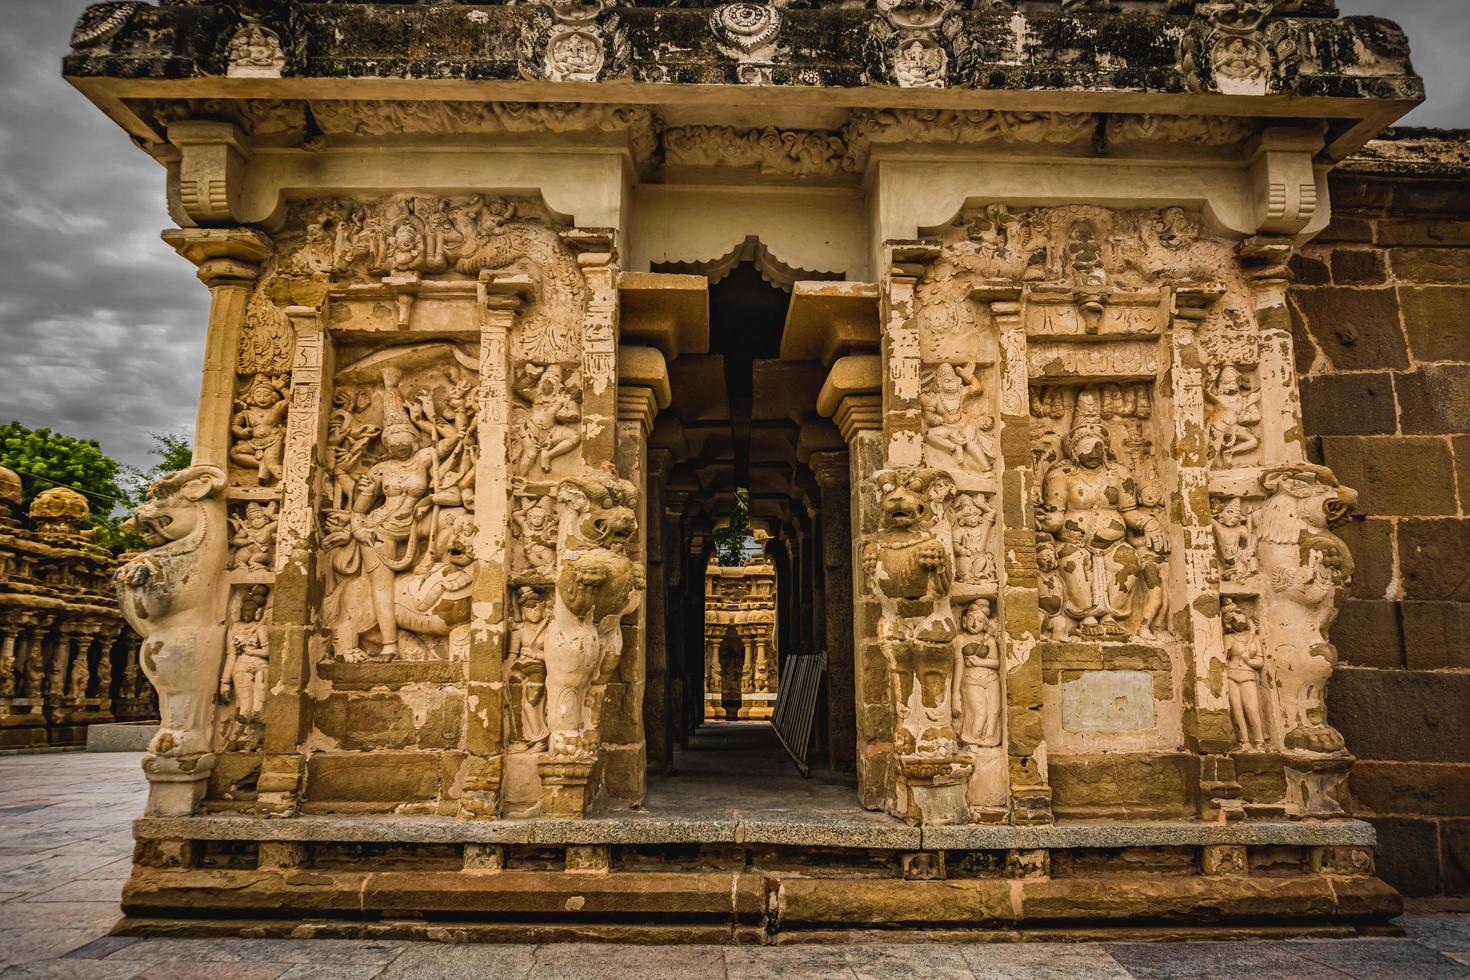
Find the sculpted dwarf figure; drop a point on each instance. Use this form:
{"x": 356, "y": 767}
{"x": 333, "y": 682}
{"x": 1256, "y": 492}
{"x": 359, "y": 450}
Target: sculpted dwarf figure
{"x": 259, "y": 428}
{"x": 1307, "y": 571}
{"x": 597, "y": 585}
{"x": 247, "y": 657}
{"x": 1244, "y": 660}
{"x": 169, "y": 596}
{"x": 1089, "y": 507}
{"x": 974, "y": 562}
{"x": 952, "y": 426}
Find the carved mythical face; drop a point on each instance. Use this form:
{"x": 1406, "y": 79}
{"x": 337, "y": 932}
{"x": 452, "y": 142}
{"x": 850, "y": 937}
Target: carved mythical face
{"x": 263, "y": 395}
{"x": 1230, "y": 513}
{"x": 904, "y": 502}
{"x": 947, "y": 378}
{"x": 172, "y": 510}
{"x": 457, "y": 543}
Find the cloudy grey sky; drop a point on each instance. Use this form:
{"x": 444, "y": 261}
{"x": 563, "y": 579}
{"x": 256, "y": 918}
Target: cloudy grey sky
{"x": 101, "y": 325}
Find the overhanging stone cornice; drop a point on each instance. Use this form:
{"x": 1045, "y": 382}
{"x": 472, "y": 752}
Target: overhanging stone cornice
{"x": 1353, "y": 72}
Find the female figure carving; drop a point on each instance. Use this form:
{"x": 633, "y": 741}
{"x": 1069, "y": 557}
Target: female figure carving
{"x": 977, "y": 678}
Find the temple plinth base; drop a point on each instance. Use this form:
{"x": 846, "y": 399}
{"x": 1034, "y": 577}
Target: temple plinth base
{"x": 564, "y": 787}
{"x": 751, "y": 880}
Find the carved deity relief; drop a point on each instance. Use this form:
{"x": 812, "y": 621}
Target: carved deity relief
{"x": 243, "y": 683}
{"x": 958, "y": 422}
{"x": 398, "y": 525}
{"x": 978, "y": 697}
{"x": 253, "y": 536}
{"x": 259, "y": 429}
{"x": 1098, "y": 512}
{"x": 1245, "y": 659}
{"x": 914, "y": 43}
{"x": 1234, "y": 413}
{"x": 1235, "y": 540}
{"x": 547, "y": 420}
{"x": 255, "y": 52}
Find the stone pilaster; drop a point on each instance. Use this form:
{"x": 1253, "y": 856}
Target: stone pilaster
{"x": 500, "y": 298}
{"x": 298, "y": 588}
{"x": 834, "y": 476}
{"x": 1030, "y": 787}
{"x": 229, "y": 261}
{"x": 852, "y": 397}
{"x": 658, "y": 699}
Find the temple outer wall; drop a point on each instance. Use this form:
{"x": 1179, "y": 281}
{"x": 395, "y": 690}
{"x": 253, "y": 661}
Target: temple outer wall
{"x": 1378, "y": 318}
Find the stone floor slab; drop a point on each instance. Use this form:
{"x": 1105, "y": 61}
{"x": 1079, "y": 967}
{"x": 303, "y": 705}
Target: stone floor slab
{"x": 1001, "y": 961}
{"x": 174, "y": 970}
{"x": 29, "y": 945}
{"x": 579, "y": 961}
{"x": 320, "y": 952}
{"x": 787, "y": 963}
{"x": 72, "y": 970}
{"x": 1210, "y": 961}
{"x": 427, "y": 961}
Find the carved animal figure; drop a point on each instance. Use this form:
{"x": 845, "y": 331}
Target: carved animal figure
{"x": 1307, "y": 569}
{"x": 169, "y": 595}
{"x": 597, "y": 585}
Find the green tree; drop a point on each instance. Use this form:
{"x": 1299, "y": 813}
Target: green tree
{"x": 730, "y": 540}
{"x": 46, "y": 459}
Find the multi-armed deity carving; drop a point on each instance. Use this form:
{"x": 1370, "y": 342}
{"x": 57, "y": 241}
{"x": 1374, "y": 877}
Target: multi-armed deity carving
{"x": 401, "y": 544}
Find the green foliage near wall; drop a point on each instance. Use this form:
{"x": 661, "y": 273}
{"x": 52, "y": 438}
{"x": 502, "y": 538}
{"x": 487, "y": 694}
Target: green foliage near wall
{"x": 730, "y": 541}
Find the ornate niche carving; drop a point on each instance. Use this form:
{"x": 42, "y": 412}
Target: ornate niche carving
{"x": 978, "y": 697}
{"x": 398, "y": 518}
{"x": 911, "y": 572}
{"x": 169, "y": 596}
{"x": 914, "y": 43}
{"x": 1234, "y": 48}
{"x": 397, "y": 241}
{"x": 574, "y": 41}
{"x": 1101, "y": 542}
{"x": 958, "y": 424}
{"x": 1245, "y": 658}
{"x": 547, "y": 420}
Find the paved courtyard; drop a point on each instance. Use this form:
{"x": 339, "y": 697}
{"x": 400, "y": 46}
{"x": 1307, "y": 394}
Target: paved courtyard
{"x": 65, "y": 852}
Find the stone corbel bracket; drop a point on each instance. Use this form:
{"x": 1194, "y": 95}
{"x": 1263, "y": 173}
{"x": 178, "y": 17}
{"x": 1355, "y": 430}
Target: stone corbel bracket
{"x": 1289, "y": 189}
{"x": 206, "y": 182}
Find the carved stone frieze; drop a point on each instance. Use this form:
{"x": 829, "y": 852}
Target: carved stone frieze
{"x": 746, "y": 29}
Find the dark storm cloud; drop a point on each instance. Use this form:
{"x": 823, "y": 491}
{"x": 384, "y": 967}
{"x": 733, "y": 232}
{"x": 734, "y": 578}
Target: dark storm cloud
{"x": 102, "y": 326}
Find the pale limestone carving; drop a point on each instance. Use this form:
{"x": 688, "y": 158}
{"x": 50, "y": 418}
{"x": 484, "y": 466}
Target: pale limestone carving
{"x": 243, "y": 681}
{"x": 255, "y": 52}
{"x": 977, "y": 697}
{"x": 1234, "y": 413}
{"x": 526, "y": 725}
{"x": 534, "y": 539}
{"x": 266, "y": 339}
{"x": 1307, "y": 570}
{"x": 784, "y": 152}
{"x": 957, "y": 425}
{"x": 597, "y": 585}
{"x": 913, "y": 43}
{"x": 548, "y": 422}
{"x": 259, "y": 427}
{"x": 1245, "y": 658}
{"x": 253, "y": 536}
{"x": 1235, "y": 49}
{"x": 1235, "y": 540}
{"x": 574, "y": 41}
{"x": 169, "y": 595}
{"x": 1090, "y": 504}
{"x": 973, "y": 524}
{"x": 746, "y": 28}
{"x": 401, "y": 549}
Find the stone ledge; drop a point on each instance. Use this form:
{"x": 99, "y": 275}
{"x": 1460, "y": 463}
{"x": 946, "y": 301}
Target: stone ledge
{"x": 839, "y": 831}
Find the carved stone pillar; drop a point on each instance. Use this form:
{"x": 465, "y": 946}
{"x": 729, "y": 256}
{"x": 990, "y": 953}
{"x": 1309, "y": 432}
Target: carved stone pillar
{"x": 834, "y": 476}
{"x": 298, "y": 586}
{"x": 852, "y": 398}
{"x": 229, "y": 263}
{"x": 9, "y": 666}
{"x": 1208, "y": 729}
{"x": 1030, "y": 789}
{"x": 501, "y": 297}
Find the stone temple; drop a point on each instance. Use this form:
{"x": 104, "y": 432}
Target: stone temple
{"x": 987, "y": 304}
